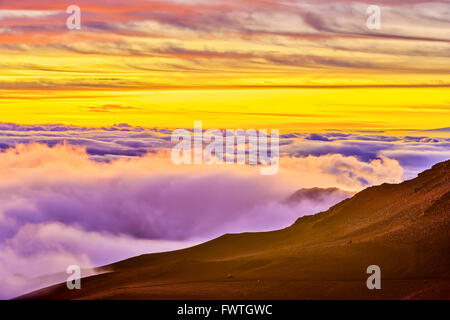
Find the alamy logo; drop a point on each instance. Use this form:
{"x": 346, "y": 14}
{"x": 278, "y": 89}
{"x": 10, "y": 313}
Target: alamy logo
{"x": 74, "y": 280}
{"x": 374, "y": 281}
{"x": 74, "y": 20}
{"x": 374, "y": 20}
{"x": 227, "y": 146}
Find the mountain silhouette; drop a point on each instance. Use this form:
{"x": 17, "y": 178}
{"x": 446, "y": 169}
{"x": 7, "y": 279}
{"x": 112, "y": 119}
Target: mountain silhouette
{"x": 402, "y": 228}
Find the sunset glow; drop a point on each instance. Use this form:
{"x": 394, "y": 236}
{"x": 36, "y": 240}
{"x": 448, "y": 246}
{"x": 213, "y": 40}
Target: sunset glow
{"x": 308, "y": 64}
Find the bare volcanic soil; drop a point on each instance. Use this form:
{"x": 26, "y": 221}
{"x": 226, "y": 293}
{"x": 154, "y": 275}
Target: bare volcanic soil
{"x": 404, "y": 229}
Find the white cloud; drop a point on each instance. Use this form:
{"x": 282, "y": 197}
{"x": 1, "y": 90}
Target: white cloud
{"x": 6, "y": 14}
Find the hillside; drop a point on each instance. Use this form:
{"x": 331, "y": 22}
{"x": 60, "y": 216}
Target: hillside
{"x": 404, "y": 228}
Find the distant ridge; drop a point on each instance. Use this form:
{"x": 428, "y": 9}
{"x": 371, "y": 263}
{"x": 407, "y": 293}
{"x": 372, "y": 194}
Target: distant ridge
{"x": 317, "y": 194}
{"x": 447, "y": 129}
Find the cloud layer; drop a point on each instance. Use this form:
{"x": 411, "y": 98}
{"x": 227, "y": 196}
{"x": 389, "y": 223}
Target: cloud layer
{"x": 223, "y": 43}
{"x": 59, "y": 207}
{"x": 415, "y": 151}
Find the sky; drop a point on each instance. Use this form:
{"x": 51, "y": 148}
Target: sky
{"x": 86, "y": 118}
{"x": 165, "y": 63}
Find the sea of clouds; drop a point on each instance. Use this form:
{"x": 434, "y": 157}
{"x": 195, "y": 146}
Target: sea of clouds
{"x": 71, "y": 195}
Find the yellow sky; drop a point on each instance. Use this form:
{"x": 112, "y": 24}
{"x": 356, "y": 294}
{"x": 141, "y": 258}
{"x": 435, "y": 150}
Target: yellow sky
{"x": 294, "y": 66}
{"x": 288, "y": 109}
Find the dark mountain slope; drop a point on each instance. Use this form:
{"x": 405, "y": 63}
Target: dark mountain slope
{"x": 404, "y": 229}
